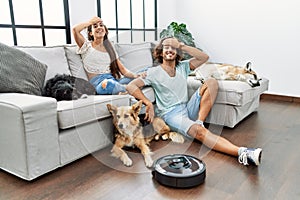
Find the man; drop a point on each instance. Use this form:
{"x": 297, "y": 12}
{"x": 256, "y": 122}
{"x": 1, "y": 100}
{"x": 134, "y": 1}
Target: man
{"x": 186, "y": 116}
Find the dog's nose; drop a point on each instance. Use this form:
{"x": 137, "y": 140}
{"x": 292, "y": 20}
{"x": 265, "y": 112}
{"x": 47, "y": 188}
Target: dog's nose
{"x": 121, "y": 126}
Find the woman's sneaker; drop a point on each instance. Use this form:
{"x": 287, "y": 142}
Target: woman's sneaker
{"x": 250, "y": 156}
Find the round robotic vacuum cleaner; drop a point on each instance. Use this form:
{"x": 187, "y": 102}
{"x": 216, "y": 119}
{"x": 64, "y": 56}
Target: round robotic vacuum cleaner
{"x": 179, "y": 170}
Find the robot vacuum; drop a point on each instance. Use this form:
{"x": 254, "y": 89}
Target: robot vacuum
{"x": 179, "y": 171}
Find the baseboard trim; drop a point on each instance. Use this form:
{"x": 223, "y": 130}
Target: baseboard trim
{"x": 280, "y": 98}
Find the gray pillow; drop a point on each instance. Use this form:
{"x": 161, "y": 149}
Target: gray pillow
{"x": 75, "y": 62}
{"x": 135, "y": 56}
{"x": 20, "y": 72}
{"x": 53, "y": 56}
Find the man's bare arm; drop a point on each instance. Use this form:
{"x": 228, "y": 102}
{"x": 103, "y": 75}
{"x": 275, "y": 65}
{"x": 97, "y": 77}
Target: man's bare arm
{"x": 198, "y": 56}
{"x": 134, "y": 88}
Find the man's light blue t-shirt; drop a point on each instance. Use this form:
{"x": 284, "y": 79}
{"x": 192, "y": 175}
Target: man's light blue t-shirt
{"x": 169, "y": 91}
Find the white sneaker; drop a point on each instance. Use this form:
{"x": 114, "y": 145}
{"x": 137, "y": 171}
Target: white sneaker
{"x": 250, "y": 156}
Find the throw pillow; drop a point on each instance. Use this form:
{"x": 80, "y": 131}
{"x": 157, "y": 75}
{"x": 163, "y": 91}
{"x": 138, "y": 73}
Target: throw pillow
{"x": 75, "y": 62}
{"x": 135, "y": 56}
{"x": 53, "y": 56}
{"x": 20, "y": 72}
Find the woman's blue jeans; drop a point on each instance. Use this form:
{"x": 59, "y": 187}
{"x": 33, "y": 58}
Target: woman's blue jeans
{"x": 112, "y": 85}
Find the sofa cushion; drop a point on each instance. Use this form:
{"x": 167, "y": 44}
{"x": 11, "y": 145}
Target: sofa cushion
{"x": 135, "y": 56}
{"x": 20, "y": 72}
{"x": 82, "y": 111}
{"x": 75, "y": 62}
{"x": 54, "y": 57}
{"x": 235, "y": 93}
{"x": 229, "y": 115}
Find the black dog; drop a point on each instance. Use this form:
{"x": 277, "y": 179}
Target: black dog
{"x": 66, "y": 87}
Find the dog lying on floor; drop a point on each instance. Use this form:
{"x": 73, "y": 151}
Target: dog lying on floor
{"x": 67, "y": 87}
{"x": 228, "y": 72}
{"x": 130, "y": 132}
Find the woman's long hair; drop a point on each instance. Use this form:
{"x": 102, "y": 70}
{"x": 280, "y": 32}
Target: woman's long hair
{"x": 157, "y": 53}
{"x": 114, "y": 68}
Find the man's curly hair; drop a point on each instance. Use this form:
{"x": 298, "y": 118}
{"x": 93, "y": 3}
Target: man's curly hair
{"x": 157, "y": 52}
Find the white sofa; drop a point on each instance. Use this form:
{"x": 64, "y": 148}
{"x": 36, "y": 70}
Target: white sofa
{"x": 39, "y": 134}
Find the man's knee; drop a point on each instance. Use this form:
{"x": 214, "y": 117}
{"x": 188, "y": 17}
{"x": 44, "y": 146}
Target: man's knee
{"x": 197, "y": 131}
{"x": 211, "y": 85}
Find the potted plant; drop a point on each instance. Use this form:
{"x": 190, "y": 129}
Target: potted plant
{"x": 180, "y": 32}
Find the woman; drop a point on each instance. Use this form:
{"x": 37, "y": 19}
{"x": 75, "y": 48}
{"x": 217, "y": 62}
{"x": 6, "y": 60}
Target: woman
{"x": 100, "y": 61}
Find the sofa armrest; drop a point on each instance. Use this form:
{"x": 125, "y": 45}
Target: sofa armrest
{"x": 29, "y": 135}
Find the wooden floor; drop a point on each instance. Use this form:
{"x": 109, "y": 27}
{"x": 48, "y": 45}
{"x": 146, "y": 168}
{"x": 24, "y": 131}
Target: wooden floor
{"x": 275, "y": 128}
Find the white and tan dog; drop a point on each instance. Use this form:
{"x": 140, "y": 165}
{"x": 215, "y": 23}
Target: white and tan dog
{"x": 228, "y": 72}
{"x": 130, "y": 132}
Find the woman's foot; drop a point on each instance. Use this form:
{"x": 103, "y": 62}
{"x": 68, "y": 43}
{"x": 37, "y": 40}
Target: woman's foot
{"x": 123, "y": 93}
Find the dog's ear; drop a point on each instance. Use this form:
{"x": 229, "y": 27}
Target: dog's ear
{"x": 248, "y": 67}
{"x": 112, "y": 109}
{"x": 137, "y": 106}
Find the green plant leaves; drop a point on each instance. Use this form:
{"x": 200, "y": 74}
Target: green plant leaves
{"x": 180, "y": 32}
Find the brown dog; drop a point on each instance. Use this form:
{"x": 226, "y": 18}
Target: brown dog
{"x": 131, "y": 132}
{"x": 228, "y": 72}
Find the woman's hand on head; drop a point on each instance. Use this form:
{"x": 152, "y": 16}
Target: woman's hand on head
{"x": 95, "y": 20}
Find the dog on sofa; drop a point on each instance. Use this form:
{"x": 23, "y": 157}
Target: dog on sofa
{"x": 131, "y": 133}
{"x": 67, "y": 87}
{"x": 228, "y": 72}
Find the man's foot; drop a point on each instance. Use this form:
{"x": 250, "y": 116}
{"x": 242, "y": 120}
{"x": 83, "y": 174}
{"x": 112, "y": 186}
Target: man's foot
{"x": 250, "y": 156}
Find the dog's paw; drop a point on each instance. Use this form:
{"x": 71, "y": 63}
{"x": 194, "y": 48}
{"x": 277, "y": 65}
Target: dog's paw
{"x": 165, "y": 136}
{"x": 148, "y": 161}
{"x": 84, "y": 96}
{"x": 156, "y": 137}
{"x": 176, "y": 137}
{"x": 127, "y": 161}
{"x": 124, "y": 158}
{"x": 240, "y": 77}
{"x": 253, "y": 83}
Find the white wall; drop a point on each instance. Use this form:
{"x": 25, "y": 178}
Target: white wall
{"x": 167, "y": 13}
{"x": 81, "y": 11}
{"x": 267, "y": 33}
